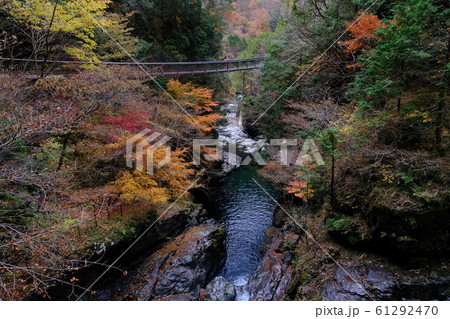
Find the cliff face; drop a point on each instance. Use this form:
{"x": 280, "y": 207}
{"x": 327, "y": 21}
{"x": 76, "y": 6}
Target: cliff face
{"x": 299, "y": 267}
{"x": 181, "y": 267}
{"x": 397, "y": 205}
{"x": 180, "y": 255}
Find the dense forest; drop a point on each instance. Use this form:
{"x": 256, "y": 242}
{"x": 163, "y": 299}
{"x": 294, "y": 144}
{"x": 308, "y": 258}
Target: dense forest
{"x": 376, "y": 99}
{"x": 368, "y": 81}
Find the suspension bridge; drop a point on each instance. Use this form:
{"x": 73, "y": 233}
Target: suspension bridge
{"x": 57, "y": 67}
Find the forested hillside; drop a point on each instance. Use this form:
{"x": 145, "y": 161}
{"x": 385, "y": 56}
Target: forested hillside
{"x": 376, "y": 99}
{"x": 65, "y": 190}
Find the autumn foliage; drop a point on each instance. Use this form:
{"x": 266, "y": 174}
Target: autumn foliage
{"x": 64, "y": 185}
{"x": 252, "y": 17}
{"x": 132, "y": 122}
{"x": 301, "y": 189}
{"x": 65, "y": 28}
{"x": 198, "y": 102}
{"x": 363, "y": 29}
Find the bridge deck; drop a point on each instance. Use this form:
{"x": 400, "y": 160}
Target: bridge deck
{"x": 154, "y": 68}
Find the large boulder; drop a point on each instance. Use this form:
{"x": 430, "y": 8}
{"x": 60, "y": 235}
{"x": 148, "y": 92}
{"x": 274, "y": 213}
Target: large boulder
{"x": 347, "y": 285}
{"x": 170, "y": 225}
{"x": 175, "y": 222}
{"x": 181, "y": 267}
{"x": 271, "y": 279}
{"x": 221, "y": 290}
{"x": 380, "y": 283}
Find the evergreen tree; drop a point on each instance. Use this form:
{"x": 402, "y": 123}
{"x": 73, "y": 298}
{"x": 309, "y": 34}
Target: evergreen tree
{"x": 408, "y": 55}
{"x": 178, "y": 30}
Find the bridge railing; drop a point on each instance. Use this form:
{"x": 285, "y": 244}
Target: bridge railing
{"x": 154, "y": 68}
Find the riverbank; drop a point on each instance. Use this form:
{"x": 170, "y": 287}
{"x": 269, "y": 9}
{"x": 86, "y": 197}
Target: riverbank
{"x": 315, "y": 267}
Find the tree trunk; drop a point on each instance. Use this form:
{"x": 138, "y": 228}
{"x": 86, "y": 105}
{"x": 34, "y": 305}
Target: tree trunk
{"x": 441, "y": 107}
{"x": 438, "y": 131}
{"x": 332, "y": 197}
{"x": 47, "y": 45}
{"x": 63, "y": 151}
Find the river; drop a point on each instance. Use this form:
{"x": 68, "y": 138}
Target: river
{"x": 243, "y": 208}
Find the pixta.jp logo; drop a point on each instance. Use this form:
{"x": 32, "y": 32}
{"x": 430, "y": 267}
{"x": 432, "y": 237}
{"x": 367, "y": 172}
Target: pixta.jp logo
{"x": 140, "y": 150}
{"x": 309, "y": 153}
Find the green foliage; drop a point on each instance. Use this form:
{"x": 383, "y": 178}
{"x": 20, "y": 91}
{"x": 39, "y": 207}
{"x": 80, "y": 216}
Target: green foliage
{"x": 275, "y": 72}
{"x": 291, "y": 246}
{"x": 236, "y": 43}
{"x": 328, "y": 139}
{"x": 49, "y": 155}
{"x": 115, "y": 33}
{"x": 179, "y": 30}
{"x": 258, "y": 45}
{"x": 405, "y": 55}
{"x": 276, "y": 75}
{"x": 9, "y": 203}
{"x": 406, "y": 179}
{"x": 338, "y": 223}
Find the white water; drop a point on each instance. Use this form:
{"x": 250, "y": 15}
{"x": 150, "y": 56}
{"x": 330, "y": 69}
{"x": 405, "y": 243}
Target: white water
{"x": 233, "y": 133}
{"x": 242, "y": 293}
